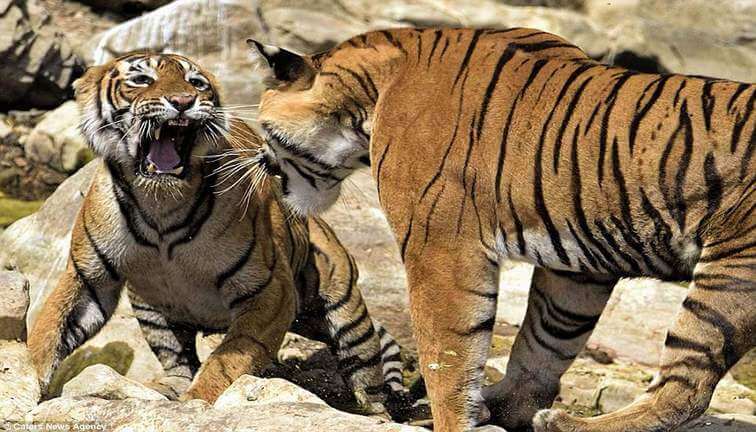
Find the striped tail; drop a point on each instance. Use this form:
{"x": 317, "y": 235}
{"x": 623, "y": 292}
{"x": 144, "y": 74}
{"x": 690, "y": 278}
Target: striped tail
{"x": 392, "y": 361}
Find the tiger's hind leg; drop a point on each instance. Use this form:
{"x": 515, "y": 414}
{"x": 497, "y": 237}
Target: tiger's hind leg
{"x": 714, "y": 328}
{"x": 346, "y": 318}
{"x": 174, "y": 347}
{"x": 562, "y": 311}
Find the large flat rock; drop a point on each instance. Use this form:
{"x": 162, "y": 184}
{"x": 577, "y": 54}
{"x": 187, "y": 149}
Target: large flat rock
{"x": 139, "y": 415}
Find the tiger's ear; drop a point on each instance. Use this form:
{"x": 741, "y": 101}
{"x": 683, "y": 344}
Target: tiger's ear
{"x": 282, "y": 66}
{"x": 88, "y": 82}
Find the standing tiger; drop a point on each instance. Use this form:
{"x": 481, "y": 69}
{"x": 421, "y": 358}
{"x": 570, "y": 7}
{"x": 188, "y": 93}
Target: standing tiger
{"x": 513, "y": 144}
{"x": 193, "y": 260}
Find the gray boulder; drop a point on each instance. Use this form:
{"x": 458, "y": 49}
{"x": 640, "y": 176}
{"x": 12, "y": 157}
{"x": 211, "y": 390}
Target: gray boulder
{"x": 103, "y": 382}
{"x": 248, "y": 391}
{"x": 56, "y": 140}
{"x": 697, "y": 37}
{"x": 37, "y": 245}
{"x": 38, "y": 64}
{"x": 19, "y": 388}
{"x": 14, "y": 301}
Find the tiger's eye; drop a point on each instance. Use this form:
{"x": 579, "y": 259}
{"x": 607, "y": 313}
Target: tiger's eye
{"x": 198, "y": 83}
{"x": 142, "y": 80}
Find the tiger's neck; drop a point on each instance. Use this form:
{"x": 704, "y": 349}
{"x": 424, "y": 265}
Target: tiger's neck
{"x": 373, "y": 61}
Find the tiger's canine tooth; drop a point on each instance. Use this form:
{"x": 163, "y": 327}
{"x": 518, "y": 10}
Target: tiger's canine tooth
{"x": 176, "y": 171}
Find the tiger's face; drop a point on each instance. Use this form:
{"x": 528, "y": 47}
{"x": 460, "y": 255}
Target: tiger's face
{"x": 156, "y": 115}
{"x": 316, "y": 134}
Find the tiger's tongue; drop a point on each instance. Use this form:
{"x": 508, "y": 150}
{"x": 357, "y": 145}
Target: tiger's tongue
{"x": 163, "y": 153}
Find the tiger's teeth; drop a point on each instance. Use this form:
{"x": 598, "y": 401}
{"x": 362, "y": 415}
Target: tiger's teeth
{"x": 151, "y": 168}
{"x": 157, "y": 132}
{"x": 176, "y": 171}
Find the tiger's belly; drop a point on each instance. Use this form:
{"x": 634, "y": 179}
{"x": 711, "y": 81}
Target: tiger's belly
{"x": 672, "y": 260}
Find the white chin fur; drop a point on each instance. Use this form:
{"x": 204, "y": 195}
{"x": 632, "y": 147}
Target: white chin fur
{"x": 306, "y": 201}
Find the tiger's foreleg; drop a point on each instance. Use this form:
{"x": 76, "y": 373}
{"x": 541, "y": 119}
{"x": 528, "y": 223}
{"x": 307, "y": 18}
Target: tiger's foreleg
{"x": 262, "y": 316}
{"x": 562, "y": 311}
{"x": 714, "y": 328}
{"x": 83, "y": 300}
{"x": 174, "y": 347}
{"x": 351, "y": 330}
{"x": 453, "y": 293}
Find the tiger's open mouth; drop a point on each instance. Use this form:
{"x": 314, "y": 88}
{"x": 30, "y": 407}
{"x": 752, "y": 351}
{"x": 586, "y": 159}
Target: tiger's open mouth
{"x": 167, "y": 148}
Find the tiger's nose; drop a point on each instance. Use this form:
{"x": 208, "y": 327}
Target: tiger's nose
{"x": 182, "y": 102}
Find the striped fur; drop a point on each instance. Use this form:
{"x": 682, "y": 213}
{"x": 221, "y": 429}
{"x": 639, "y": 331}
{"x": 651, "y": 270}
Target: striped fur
{"x": 192, "y": 257}
{"x": 513, "y": 144}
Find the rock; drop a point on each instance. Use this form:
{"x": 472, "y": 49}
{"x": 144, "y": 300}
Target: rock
{"x": 103, "y": 382}
{"x": 37, "y": 245}
{"x": 197, "y": 415}
{"x": 38, "y": 64}
{"x": 721, "y": 423}
{"x": 248, "y": 391}
{"x": 653, "y": 35}
{"x": 614, "y": 394}
{"x": 14, "y": 301}
{"x": 5, "y": 130}
{"x": 190, "y": 27}
{"x": 120, "y": 345}
{"x": 115, "y": 355}
{"x": 56, "y": 140}
{"x": 733, "y": 398}
{"x": 488, "y": 428}
{"x": 309, "y": 27}
{"x": 19, "y": 388}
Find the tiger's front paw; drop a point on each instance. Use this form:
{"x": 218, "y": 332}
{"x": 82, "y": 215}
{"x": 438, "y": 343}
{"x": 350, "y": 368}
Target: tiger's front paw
{"x": 554, "y": 420}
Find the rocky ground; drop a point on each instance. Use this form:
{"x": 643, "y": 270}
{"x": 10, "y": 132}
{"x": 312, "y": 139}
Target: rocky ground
{"x": 40, "y": 149}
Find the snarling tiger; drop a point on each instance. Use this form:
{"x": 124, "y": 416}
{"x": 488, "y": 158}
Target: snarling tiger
{"x": 513, "y": 144}
{"x": 194, "y": 259}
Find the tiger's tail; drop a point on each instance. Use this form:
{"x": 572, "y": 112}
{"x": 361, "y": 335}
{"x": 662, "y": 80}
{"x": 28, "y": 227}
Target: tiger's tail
{"x": 392, "y": 361}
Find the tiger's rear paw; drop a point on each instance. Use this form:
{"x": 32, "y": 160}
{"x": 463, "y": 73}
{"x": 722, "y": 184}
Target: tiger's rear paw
{"x": 554, "y": 420}
{"x": 371, "y": 404}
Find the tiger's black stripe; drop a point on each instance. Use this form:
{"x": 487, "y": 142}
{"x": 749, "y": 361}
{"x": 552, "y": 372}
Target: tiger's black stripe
{"x": 466, "y": 59}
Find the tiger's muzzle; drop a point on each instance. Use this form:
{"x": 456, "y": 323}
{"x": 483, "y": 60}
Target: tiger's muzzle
{"x": 166, "y": 148}
{"x": 173, "y": 128}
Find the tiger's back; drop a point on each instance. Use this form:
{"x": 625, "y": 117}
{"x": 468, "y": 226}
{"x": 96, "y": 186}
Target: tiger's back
{"x": 551, "y": 143}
